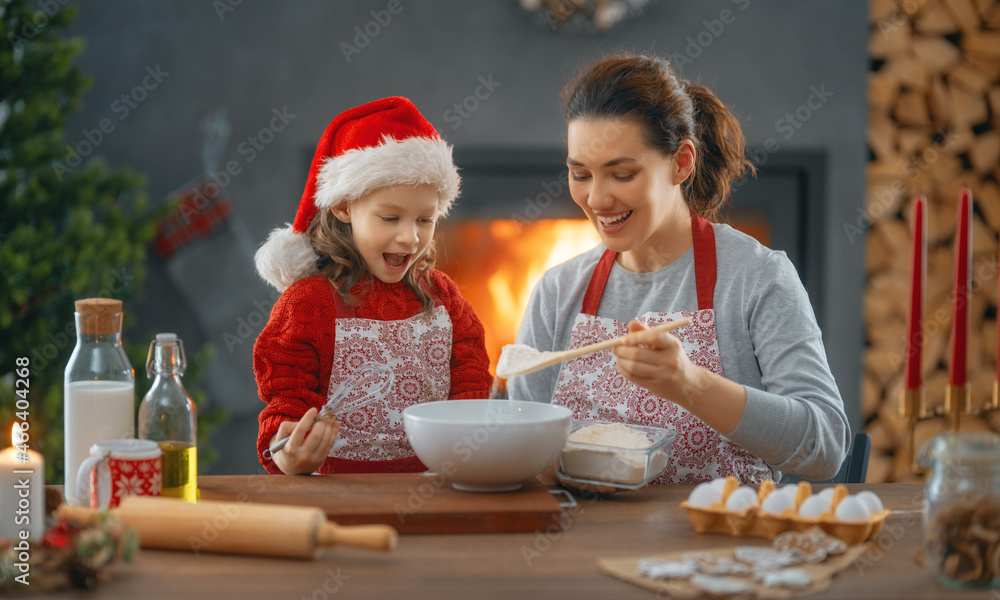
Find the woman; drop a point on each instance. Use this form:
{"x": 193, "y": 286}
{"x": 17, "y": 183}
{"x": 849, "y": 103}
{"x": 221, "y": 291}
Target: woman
{"x": 747, "y": 387}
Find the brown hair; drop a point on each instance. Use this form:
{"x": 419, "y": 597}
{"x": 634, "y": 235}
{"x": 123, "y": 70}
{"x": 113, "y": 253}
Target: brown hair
{"x": 645, "y": 89}
{"x": 340, "y": 261}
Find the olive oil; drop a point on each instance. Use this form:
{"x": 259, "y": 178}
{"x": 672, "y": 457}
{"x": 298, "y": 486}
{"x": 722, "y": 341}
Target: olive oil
{"x": 180, "y": 470}
{"x": 168, "y": 416}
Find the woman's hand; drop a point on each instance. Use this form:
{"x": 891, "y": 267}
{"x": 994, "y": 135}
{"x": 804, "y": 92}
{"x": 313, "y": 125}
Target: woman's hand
{"x": 308, "y": 448}
{"x": 656, "y": 361}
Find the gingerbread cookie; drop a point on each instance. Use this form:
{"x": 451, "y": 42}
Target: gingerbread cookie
{"x": 762, "y": 558}
{"x": 656, "y": 568}
{"x": 812, "y": 545}
{"x": 718, "y": 585}
{"x": 790, "y": 578}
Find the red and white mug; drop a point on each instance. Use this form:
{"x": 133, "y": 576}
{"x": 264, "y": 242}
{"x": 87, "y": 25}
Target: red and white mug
{"x": 119, "y": 468}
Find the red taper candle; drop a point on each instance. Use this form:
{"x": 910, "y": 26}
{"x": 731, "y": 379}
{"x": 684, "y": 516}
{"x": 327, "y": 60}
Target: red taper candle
{"x": 918, "y": 275}
{"x": 963, "y": 264}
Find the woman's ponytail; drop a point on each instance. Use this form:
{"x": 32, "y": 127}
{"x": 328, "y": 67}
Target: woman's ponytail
{"x": 720, "y": 158}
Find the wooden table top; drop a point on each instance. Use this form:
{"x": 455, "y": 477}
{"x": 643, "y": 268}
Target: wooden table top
{"x": 548, "y": 564}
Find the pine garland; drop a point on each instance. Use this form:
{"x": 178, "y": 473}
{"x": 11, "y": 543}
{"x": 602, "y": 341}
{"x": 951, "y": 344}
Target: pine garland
{"x": 72, "y": 554}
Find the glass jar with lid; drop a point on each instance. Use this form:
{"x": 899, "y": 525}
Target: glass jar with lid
{"x": 962, "y": 509}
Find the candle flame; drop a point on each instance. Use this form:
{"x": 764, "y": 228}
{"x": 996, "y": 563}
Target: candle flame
{"x": 16, "y": 435}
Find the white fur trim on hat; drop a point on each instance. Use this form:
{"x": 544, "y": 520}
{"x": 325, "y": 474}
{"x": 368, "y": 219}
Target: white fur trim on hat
{"x": 285, "y": 258}
{"x": 411, "y": 161}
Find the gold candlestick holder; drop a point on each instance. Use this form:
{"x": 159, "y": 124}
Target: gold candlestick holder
{"x": 957, "y": 402}
{"x": 913, "y": 408}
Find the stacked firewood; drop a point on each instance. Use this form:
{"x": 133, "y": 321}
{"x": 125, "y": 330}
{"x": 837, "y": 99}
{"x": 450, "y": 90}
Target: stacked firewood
{"x": 933, "y": 127}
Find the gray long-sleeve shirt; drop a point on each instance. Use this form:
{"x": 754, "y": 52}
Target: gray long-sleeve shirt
{"x": 769, "y": 342}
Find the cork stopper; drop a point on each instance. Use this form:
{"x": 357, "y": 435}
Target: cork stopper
{"x": 99, "y": 316}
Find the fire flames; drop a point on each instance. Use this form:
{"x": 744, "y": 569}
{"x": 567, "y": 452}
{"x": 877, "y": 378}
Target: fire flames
{"x": 496, "y": 265}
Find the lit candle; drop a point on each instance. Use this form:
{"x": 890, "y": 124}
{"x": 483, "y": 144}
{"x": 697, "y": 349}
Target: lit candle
{"x": 914, "y": 337}
{"x": 22, "y": 491}
{"x": 963, "y": 264}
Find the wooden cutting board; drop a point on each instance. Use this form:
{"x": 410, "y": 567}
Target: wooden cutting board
{"x": 410, "y": 502}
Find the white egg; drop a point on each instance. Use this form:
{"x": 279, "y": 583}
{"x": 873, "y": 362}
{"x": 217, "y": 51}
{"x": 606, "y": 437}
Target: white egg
{"x": 871, "y": 501}
{"x": 778, "y": 502}
{"x": 814, "y": 506}
{"x": 828, "y": 494}
{"x": 789, "y": 490}
{"x": 851, "y": 509}
{"x": 704, "y": 495}
{"x": 741, "y": 498}
{"x": 718, "y": 484}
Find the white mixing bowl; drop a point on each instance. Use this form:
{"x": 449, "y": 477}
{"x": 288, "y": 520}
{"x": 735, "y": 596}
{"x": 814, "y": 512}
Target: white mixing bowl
{"x": 487, "y": 445}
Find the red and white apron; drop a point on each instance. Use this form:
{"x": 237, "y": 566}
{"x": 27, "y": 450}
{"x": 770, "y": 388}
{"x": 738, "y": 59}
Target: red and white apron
{"x": 592, "y": 387}
{"x": 418, "y": 350}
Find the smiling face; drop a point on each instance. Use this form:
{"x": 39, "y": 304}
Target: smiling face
{"x": 630, "y": 191}
{"x": 392, "y": 227}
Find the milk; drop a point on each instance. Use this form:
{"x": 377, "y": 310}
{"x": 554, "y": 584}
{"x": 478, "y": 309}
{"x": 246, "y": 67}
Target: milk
{"x": 94, "y": 411}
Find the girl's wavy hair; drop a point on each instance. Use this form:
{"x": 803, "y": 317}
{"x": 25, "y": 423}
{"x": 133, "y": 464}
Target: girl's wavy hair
{"x": 340, "y": 261}
{"x": 646, "y": 89}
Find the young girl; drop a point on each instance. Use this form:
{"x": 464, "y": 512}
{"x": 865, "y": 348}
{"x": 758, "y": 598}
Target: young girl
{"x": 358, "y": 291}
{"x": 747, "y": 387}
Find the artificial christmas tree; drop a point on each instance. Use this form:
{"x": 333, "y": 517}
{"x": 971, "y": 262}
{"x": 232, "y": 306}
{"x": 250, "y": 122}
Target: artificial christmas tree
{"x": 70, "y": 227}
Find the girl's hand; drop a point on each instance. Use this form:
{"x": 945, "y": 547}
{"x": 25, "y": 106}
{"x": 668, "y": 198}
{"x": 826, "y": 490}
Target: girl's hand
{"x": 307, "y": 449}
{"x": 656, "y": 361}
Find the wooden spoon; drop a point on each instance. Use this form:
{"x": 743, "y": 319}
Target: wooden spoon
{"x": 520, "y": 359}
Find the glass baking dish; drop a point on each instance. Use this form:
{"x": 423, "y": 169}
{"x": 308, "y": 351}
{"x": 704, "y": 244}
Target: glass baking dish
{"x": 615, "y": 466}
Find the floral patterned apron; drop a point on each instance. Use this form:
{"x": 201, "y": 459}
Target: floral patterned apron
{"x": 418, "y": 350}
{"x": 592, "y": 387}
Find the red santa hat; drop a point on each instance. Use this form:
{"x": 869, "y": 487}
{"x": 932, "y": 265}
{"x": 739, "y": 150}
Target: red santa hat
{"x": 375, "y": 145}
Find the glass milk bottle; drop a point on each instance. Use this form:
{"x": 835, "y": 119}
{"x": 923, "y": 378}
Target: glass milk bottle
{"x": 99, "y": 387}
{"x": 168, "y": 416}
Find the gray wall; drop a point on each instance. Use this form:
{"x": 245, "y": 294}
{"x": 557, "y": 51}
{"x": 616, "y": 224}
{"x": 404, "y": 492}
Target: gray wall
{"x": 260, "y": 57}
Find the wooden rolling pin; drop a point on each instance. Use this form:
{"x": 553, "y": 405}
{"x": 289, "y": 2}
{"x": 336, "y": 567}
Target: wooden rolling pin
{"x": 236, "y": 527}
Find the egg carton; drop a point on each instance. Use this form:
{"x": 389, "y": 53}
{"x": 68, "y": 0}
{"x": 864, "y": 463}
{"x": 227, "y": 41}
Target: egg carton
{"x": 750, "y": 521}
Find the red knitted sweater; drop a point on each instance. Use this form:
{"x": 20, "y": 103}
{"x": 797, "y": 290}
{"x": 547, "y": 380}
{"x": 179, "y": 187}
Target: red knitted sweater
{"x": 293, "y": 355}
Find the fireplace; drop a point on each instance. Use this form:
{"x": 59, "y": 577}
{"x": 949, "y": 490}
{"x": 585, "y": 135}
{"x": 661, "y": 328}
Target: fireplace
{"x": 497, "y": 262}
{"x": 515, "y": 219}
